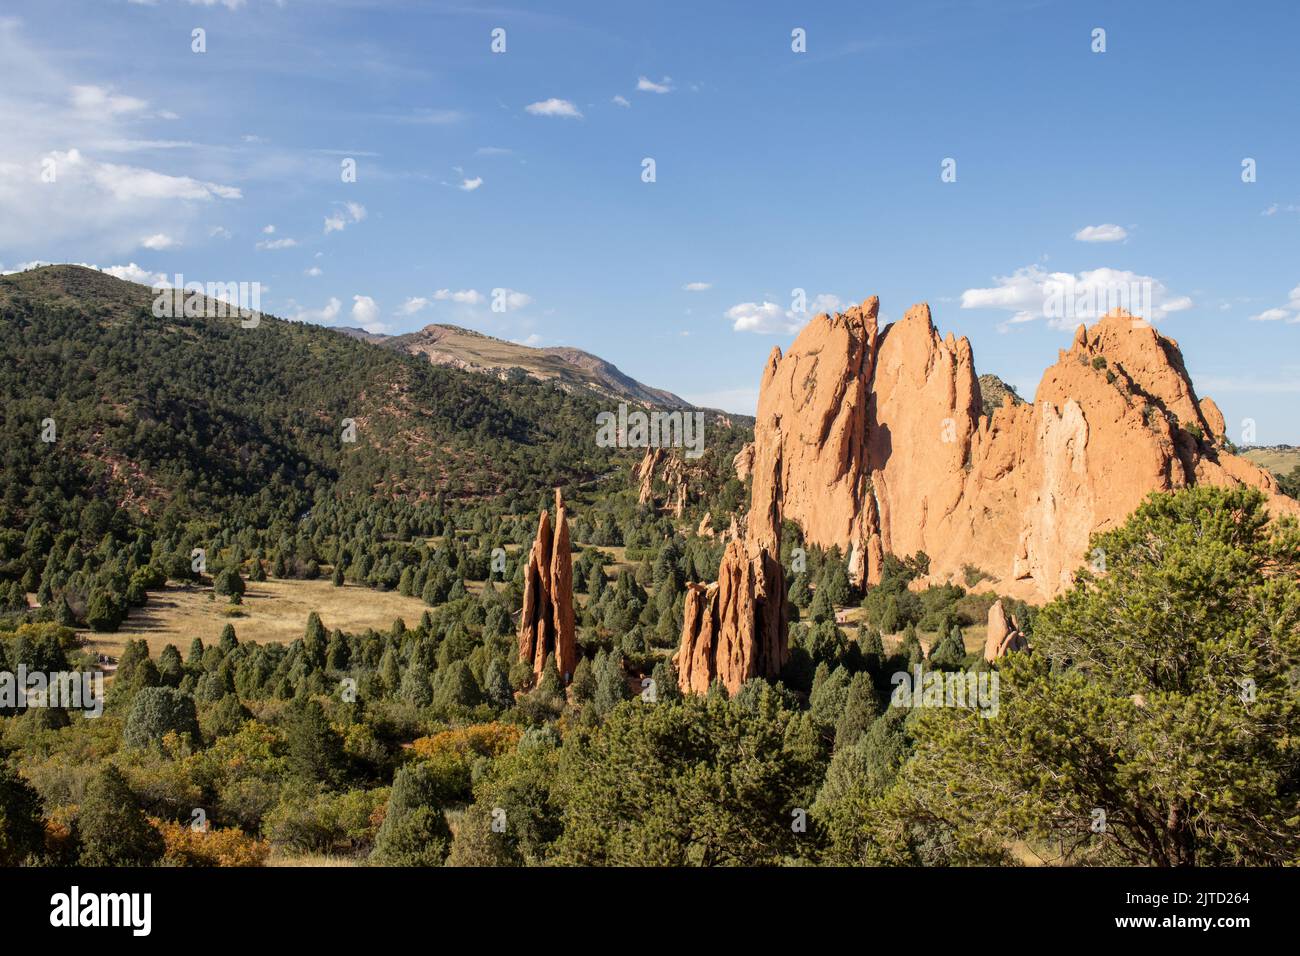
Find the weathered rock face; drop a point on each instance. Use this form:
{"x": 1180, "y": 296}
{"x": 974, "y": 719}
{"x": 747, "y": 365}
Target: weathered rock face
{"x": 661, "y": 464}
{"x": 1003, "y": 635}
{"x": 877, "y": 443}
{"x": 736, "y": 628}
{"x": 546, "y": 624}
{"x": 743, "y": 461}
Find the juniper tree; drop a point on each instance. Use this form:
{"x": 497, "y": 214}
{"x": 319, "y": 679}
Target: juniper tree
{"x": 111, "y": 826}
{"x": 1161, "y": 692}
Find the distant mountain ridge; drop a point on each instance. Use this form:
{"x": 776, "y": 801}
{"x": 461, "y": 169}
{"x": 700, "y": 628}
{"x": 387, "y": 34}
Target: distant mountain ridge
{"x": 567, "y": 367}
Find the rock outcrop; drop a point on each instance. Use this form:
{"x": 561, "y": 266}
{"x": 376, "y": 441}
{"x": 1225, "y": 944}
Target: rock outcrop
{"x": 736, "y": 628}
{"x": 743, "y": 462}
{"x": 877, "y": 443}
{"x": 662, "y": 465}
{"x": 1003, "y": 635}
{"x": 546, "y": 623}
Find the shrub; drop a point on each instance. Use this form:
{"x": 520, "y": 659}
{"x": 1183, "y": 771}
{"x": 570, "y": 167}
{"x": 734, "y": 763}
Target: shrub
{"x": 157, "y": 711}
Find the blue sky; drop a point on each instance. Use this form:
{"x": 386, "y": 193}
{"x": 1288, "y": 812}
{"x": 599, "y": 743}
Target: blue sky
{"x": 774, "y": 170}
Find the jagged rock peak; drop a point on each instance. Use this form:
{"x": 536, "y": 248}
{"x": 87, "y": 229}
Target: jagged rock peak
{"x": 546, "y": 623}
{"x": 877, "y": 441}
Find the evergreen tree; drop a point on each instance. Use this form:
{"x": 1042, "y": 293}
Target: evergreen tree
{"x": 457, "y": 687}
{"x": 156, "y": 711}
{"x": 314, "y": 749}
{"x": 496, "y": 688}
{"x": 414, "y": 831}
{"x": 22, "y": 832}
{"x": 112, "y": 828}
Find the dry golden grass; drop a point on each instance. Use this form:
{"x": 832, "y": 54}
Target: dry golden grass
{"x": 273, "y": 612}
{"x": 288, "y": 858}
{"x": 1280, "y": 461}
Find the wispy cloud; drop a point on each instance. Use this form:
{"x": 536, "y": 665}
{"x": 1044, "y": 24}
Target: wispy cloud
{"x": 554, "y": 107}
{"x": 349, "y": 212}
{"x": 646, "y": 85}
{"x": 1106, "y": 232}
{"x": 1289, "y": 313}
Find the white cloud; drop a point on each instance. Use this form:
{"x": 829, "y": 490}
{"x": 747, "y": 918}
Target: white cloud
{"x": 1271, "y": 315}
{"x": 1106, "y": 232}
{"x": 268, "y": 230}
{"x": 554, "y": 107}
{"x": 364, "y": 310}
{"x": 463, "y": 296}
{"x": 646, "y": 85}
{"x": 761, "y": 317}
{"x": 132, "y": 183}
{"x": 133, "y": 273}
{"x": 768, "y": 318}
{"x": 220, "y": 232}
{"x": 1066, "y": 299}
{"x": 325, "y": 316}
{"x": 158, "y": 241}
{"x": 621, "y": 101}
{"x": 98, "y": 101}
{"x": 532, "y": 341}
{"x": 1271, "y": 210}
{"x": 469, "y": 185}
{"x": 350, "y": 213}
{"x": 413, "y": 305}
{"x": 697, "y": 286}
{"x": 277, "y": 243}
{"x": 314, "y": 271}
{"x": 825, "y": 302}
{"x": 514, "y": 300}
{"x": 492, "y": 151}
{"x": 1289, "y": 313}
{"x": 55, "y": 192}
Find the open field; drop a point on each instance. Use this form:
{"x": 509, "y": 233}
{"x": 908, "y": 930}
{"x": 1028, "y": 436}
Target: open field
{"x": 1280, "y": 461}
{"x": 273, "y": 612}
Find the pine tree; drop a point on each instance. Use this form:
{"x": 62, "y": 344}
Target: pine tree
{"x": 314, "y": 749}
{"x": 497, "y": 685}
{"x": 414, "y": 831}
{"x": 111, "y": 825}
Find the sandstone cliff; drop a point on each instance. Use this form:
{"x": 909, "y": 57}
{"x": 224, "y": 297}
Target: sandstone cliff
{"x": 546, "y": 623}
{"x": 877, "y": 442}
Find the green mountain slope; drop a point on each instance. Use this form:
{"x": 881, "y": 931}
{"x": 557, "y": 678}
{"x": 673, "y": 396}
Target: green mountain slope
{"x": 203, "y": 416}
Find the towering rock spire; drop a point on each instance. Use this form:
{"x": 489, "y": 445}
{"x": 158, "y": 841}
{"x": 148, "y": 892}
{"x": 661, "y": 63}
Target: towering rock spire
{"x": 546, "y": 624}
{"x": 735, "y": 629}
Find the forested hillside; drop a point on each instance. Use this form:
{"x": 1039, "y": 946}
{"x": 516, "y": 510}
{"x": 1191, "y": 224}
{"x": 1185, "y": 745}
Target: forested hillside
{"x": 138, "y": 439}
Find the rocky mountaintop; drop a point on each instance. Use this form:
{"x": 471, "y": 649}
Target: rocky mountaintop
{"x": 570, "y": 368}
{"x": 881, "y": 444}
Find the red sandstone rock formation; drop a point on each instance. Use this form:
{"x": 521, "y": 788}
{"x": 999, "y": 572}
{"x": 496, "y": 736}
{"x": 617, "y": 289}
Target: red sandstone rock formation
{"x": 743, "y": 461}
{"x": 1003, "y": 635}
{"x": 546, "y": 624}
{"x": 874, "y": 441}
{"x": 735, "y": 629}
{"x": 661, "y": 464}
